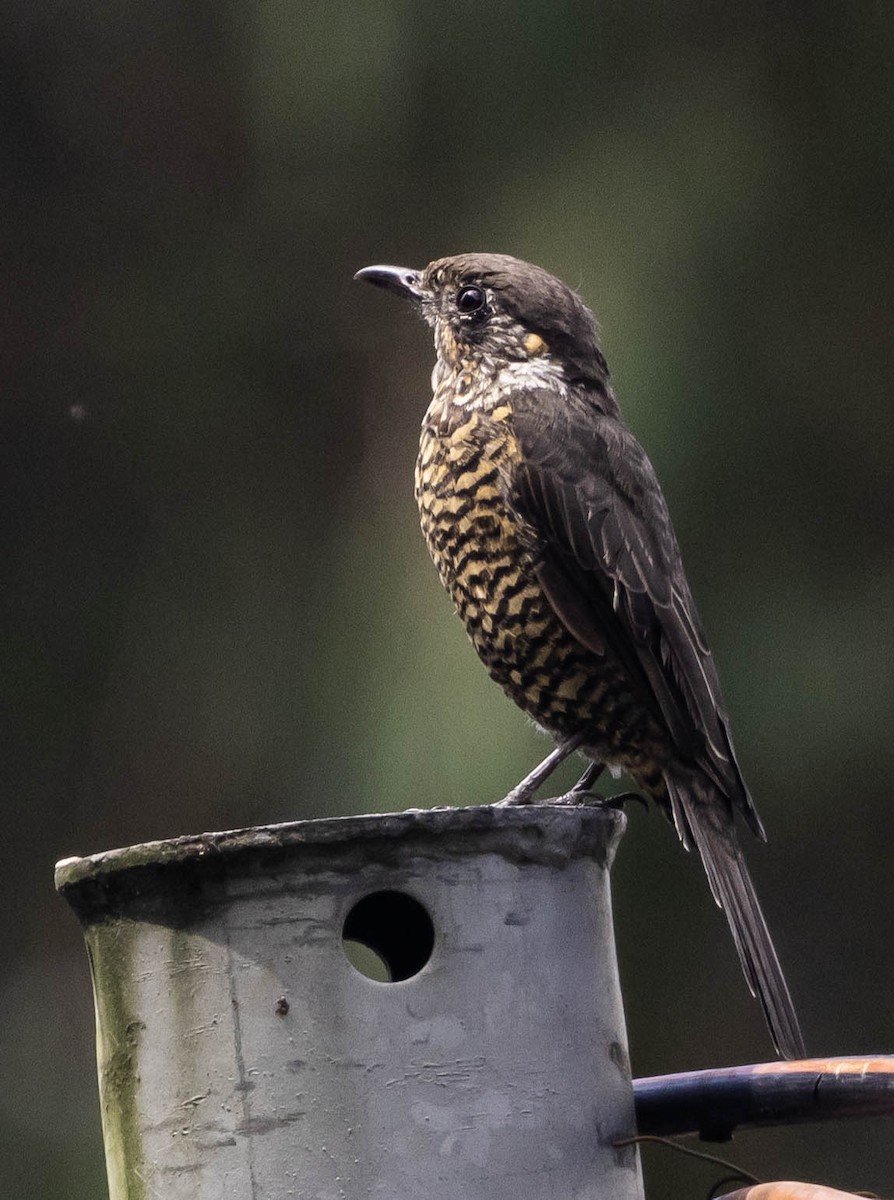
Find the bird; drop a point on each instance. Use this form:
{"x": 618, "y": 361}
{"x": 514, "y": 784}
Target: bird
{"x": 548, "y": 527}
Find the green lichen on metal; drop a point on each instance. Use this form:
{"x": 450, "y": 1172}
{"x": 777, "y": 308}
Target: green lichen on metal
{"x": 184, "y": 956}
{"x": 118, "y": 1037}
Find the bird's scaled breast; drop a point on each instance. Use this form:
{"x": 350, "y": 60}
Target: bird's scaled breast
{"x": 484, "y": 553}
{"x": 486, "y": 556}
{"x": 481, "y": 549}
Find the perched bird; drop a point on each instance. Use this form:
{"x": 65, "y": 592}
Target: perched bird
{"x": 548, "y": 527}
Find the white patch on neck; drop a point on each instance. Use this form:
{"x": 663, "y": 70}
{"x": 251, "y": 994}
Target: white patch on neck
{"x": 484, "y": 386}
{"x": 536, "y": 372}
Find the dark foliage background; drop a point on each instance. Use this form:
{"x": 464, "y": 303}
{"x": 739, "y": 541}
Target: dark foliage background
{"x": 216, "y": 607}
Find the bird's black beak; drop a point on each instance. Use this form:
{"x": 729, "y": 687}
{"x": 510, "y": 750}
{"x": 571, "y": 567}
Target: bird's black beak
{"x": 403, "y": 281}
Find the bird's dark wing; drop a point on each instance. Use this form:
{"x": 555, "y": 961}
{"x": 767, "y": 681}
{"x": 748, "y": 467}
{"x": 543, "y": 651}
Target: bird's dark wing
{"x": 610, "y": 565}
{"x": 611, "y": 568}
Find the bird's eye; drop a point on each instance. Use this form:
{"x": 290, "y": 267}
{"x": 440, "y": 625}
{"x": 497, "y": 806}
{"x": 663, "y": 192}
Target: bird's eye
{"x": 470, "y": 299}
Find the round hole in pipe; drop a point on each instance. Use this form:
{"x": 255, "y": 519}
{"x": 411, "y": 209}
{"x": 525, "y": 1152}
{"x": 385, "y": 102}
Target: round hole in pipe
{"x": 388, "y": 936}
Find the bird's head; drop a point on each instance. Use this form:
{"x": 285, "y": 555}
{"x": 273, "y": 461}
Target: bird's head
{"x": 491, "y": 310}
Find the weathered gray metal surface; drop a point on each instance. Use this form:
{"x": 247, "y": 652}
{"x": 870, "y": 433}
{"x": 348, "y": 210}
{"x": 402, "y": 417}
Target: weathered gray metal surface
{"x": 242, "y": 1057}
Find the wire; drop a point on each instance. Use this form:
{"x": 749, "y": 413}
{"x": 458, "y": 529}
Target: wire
{"x": 738, "y": 1172}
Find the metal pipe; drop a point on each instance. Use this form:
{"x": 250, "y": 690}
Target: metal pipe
{"x": 714, "y": 1103}
{"x": 242, "y": 1055}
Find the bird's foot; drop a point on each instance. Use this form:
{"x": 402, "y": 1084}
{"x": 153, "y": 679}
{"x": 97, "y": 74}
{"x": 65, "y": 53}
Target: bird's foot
{"x": 583, "y": 797}
{"x": 519, "y": 795}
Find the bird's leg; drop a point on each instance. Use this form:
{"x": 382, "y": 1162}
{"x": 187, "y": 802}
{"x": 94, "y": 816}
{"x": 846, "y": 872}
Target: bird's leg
{"x": 589, "y": 777}
{"x": 581, "y": 792}
{"x": 523, "y": 793}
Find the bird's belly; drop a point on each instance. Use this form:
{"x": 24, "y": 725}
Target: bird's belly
{"x": 486, "y": 558}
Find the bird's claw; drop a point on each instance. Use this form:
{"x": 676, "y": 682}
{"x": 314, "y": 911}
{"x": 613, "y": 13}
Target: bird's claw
{"x": 623, "y": 798}
{"x": 578, "y": 797}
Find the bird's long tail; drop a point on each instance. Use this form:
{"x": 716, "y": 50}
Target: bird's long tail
{"x": 708, "y": 824}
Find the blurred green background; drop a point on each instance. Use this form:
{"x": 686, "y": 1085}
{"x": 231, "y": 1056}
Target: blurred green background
{"x": 217, "y": 607}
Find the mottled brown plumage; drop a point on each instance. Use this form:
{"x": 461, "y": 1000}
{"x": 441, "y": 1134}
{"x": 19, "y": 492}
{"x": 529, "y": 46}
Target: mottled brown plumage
{"x": 487, "y": 558}
{"x": 548, "y": 527}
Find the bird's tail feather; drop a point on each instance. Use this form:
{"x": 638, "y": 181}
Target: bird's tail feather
{"x": 708, "y": 824}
